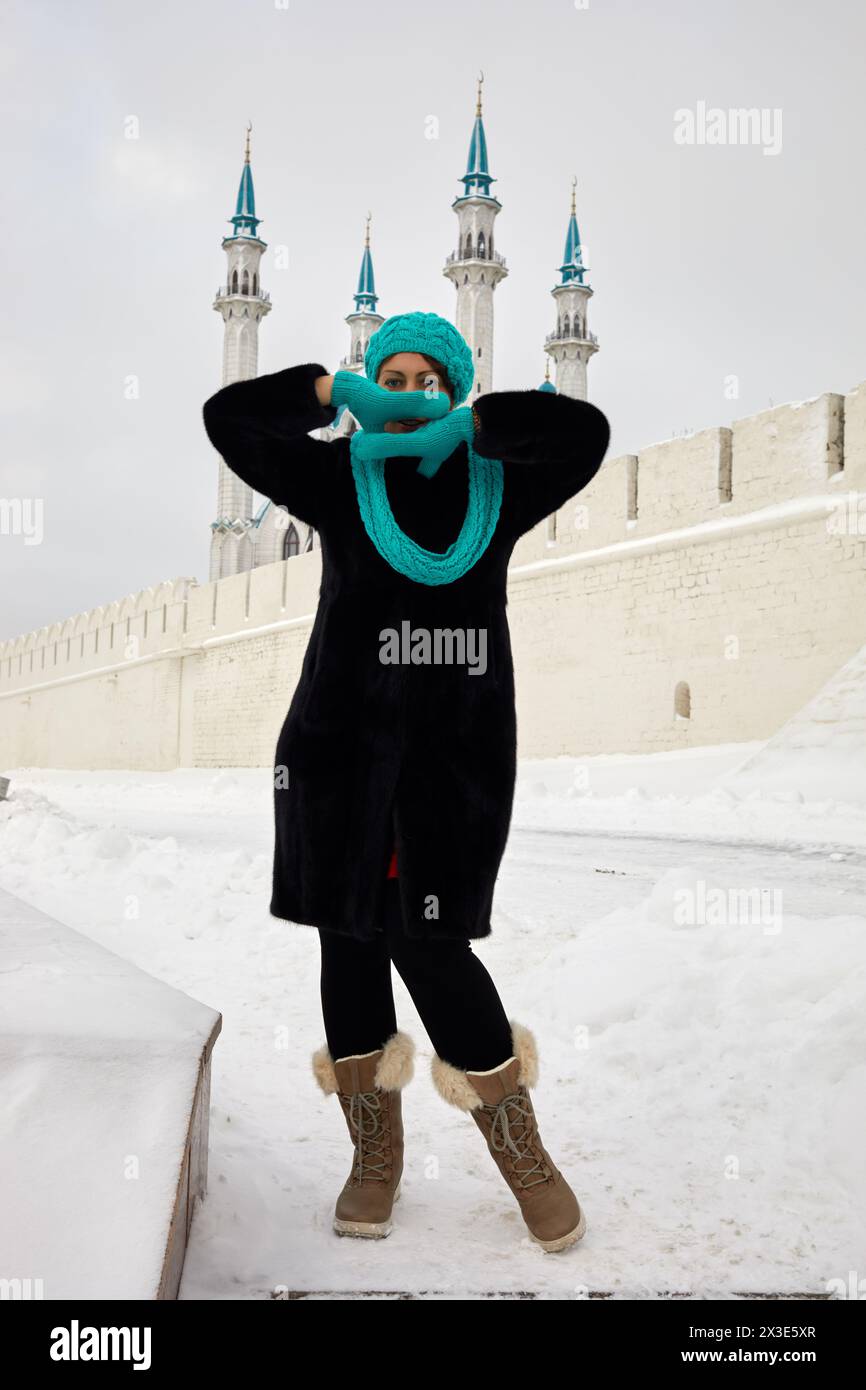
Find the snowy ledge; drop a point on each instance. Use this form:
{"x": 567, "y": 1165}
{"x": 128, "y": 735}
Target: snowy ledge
{"x": 106, "y": 1078}
{"x": 780, "y": 514}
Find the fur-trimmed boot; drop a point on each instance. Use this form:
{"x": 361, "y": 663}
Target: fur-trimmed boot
{"x": 499, "y": 1103}
{"x": 368, "y": 1086}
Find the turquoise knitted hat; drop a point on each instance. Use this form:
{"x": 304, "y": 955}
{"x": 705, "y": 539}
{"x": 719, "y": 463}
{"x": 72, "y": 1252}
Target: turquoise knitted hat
{"x": 432, "y": 336}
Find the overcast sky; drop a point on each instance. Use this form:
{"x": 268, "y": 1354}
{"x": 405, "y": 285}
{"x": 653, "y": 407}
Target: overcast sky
{"x": 707, "y": 261}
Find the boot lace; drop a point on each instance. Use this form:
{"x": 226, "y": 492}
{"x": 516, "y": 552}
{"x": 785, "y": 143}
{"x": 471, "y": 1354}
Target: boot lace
{"x": 513, "y": 1128}
{"x": 364, "y": 1109}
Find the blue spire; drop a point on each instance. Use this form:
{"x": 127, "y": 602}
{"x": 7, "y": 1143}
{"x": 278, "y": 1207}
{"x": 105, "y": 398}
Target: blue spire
{"x": 245, "y": 222}
{"x": 477, "y": 180}
{"x": 572, "y": 268}
{"x": 366, "y": 297}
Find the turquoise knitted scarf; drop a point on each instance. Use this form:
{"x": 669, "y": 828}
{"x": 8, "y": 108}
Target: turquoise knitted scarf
{"x": 405, "y": 555}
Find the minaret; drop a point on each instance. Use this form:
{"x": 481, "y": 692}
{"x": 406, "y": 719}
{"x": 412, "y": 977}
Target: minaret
{"x": 475, "y": 268}
{"x": 364, "y": 321}
{"x": 243, "y": 305}
{"x": 572, "y": 344}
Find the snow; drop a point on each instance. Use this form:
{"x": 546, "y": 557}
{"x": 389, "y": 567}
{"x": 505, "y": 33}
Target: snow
{"x": 689, "y": 954}
{"x": 99, "y": 1064}
{"x": 819, "y": 755}
{"x": 750, "y": 792}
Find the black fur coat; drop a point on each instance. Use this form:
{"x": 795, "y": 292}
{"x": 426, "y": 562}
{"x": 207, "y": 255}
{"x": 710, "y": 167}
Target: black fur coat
{"x": 372, "y": 753}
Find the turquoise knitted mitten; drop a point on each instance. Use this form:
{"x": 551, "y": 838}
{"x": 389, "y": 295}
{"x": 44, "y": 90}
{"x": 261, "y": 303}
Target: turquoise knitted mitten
{"x": 433, "y": 443}
{"x": 373, "y": 406}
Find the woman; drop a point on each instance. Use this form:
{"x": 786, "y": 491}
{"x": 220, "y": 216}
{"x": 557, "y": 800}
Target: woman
{"x": 395, "y": 765}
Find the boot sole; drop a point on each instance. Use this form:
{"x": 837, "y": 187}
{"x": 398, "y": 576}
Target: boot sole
{"x": 372, "y": 1229}
{"x": 562, "y": 1242}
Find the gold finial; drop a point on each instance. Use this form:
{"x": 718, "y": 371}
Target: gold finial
{"x": 367, "y": 232}
{"x": 573, "y": 196}
{"x": 478, "y": 105}
{"x": 247, "y": 149}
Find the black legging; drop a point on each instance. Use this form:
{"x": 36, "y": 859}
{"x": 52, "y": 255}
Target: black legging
{"x": 456, "y": 999}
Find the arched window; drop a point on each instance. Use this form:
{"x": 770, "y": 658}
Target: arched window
{"x": 566, "y": 327}
{"x": 245, "y": 283}
{"x": 482, "y": 247}
{"x": 235, "y": 280}
{"x": 291, "y": 544}
{"x": 359, "y": 351}
{"x": 308, "y": 543}
{"x": 682, "y": 701}
{"x": 255, "y": 282}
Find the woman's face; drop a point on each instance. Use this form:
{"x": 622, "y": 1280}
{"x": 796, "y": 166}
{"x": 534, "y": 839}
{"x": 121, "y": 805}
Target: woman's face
{"x": 409, "y": 371}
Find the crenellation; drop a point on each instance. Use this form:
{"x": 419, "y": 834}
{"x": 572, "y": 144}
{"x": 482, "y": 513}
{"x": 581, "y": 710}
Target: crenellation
{"x": 137, "y": 625}
{"x": 678, "y": 483}
{"x": 784, "y": 452}
{"x": 789, "y": 452}
{"x": 853, "y": 473}
{"x": 605, "y": 621}
{"x": 230, "y": 607}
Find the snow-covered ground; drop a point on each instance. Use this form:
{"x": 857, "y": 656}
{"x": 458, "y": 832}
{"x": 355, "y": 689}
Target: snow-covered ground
{"x": 689, "y": 950}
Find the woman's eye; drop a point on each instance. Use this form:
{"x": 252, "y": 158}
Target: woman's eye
{"x": 391, "y": 381}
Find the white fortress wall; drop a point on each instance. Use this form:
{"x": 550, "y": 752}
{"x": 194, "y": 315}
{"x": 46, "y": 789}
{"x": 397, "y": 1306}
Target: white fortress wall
{"x": 733, "y": 560}
{"x": 246, "y": 663}
{"x": 656, "y": 578}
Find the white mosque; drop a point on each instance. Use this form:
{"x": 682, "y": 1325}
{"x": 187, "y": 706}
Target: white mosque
{"x": 246, "y": 534}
